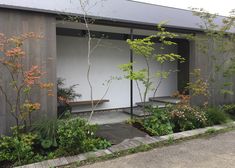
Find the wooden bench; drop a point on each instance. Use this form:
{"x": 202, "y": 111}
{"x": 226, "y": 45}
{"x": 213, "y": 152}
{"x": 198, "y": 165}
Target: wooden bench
{"x": 87, "y": 102}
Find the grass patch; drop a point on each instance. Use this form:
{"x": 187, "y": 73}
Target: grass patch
{"x": 210, "y": 131}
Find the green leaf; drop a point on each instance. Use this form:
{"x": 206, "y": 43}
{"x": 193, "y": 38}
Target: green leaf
{"x": 226, "y": 92}
{"x": 47, "y": 143}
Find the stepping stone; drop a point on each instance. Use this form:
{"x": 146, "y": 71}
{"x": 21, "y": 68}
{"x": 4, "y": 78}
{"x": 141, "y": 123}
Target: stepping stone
{"x": 166, "y": 99}
{"x": 137, "y": 111}
{"x": 116, "y": 133}
{"x": 107, "y": 117}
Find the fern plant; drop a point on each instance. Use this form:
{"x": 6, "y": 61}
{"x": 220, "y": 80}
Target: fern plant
{"x": 64, "y": 96}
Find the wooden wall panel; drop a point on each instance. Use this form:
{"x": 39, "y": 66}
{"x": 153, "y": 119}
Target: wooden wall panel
{"x": 183, "y": 68}
{"x": 205, "y": 63}
{"x": 40, "y": 52}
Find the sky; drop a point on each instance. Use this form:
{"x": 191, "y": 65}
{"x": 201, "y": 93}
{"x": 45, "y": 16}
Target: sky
{"x": 221, "y": 7}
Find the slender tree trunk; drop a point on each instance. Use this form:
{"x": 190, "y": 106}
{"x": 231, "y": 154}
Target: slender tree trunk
{"x": 147, "y": 85}
{"x": 159, "y": 83}
{"x": 83, "y": 4}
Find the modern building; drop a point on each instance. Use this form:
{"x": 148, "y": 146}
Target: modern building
{"x": 63, "y": 50}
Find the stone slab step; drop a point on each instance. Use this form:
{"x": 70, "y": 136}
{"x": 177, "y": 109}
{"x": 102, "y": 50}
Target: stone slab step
{"x": 137, "y": 111}
{"x": 166, "y": 99}
{"x": 152, "y": 103}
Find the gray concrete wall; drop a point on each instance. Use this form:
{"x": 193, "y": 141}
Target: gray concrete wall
{"x": 39, "y": 52}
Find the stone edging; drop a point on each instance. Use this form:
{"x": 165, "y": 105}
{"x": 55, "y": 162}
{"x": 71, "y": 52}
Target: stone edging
{"x": 125, "y": 145}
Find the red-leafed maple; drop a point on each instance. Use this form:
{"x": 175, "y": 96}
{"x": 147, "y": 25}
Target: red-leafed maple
{"x": 22, "y": 79}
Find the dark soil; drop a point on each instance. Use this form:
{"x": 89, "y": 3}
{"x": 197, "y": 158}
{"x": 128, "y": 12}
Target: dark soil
{"x": 6, "y": 164}
{"x": 139, "y": 126}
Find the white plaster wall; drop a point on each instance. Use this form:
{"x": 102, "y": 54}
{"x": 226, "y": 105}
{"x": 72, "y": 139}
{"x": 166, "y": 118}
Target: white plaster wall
{"x": 72, "y": 65}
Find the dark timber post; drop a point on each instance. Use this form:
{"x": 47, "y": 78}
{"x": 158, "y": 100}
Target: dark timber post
{"x": 131, "y": 81}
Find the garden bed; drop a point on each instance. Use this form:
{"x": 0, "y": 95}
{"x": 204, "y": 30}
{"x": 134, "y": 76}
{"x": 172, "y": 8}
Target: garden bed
{"x": 73, "y": 136}
{"x": 181, "y": 117}
{"x": 48, "y": 139}
{"x": 129, "y": 146}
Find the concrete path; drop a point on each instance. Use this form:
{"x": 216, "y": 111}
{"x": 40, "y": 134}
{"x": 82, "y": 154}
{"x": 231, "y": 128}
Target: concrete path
{"x": 107, "y": 117}
{"x": 214, "y": 152}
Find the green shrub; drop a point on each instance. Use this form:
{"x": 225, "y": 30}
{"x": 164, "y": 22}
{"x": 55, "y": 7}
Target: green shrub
{"x": 46, "y": 130}
{"x": 18, "y": 149}
{"x": 92, "y": 144}
{"x": 76, "y": 136}
{"x": 158, "y": 123}
{"x": 216, "y": 115}
{"x": 184, "y": 117}
{"x": 229, "y": 109}
{"x": 68, "y": 136}
{"x": 48, "y": 139}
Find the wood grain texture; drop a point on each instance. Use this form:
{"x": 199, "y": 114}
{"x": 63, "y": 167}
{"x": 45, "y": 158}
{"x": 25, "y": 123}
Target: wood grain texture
{"x": 201, "y": 61}
{"x": 39, "y": 52}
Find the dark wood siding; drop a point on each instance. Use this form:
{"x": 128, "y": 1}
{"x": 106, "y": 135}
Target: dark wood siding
{"x": 201, "y": 61}
{"x": 183, "y": 68}
{"x": 40, "y": 52}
